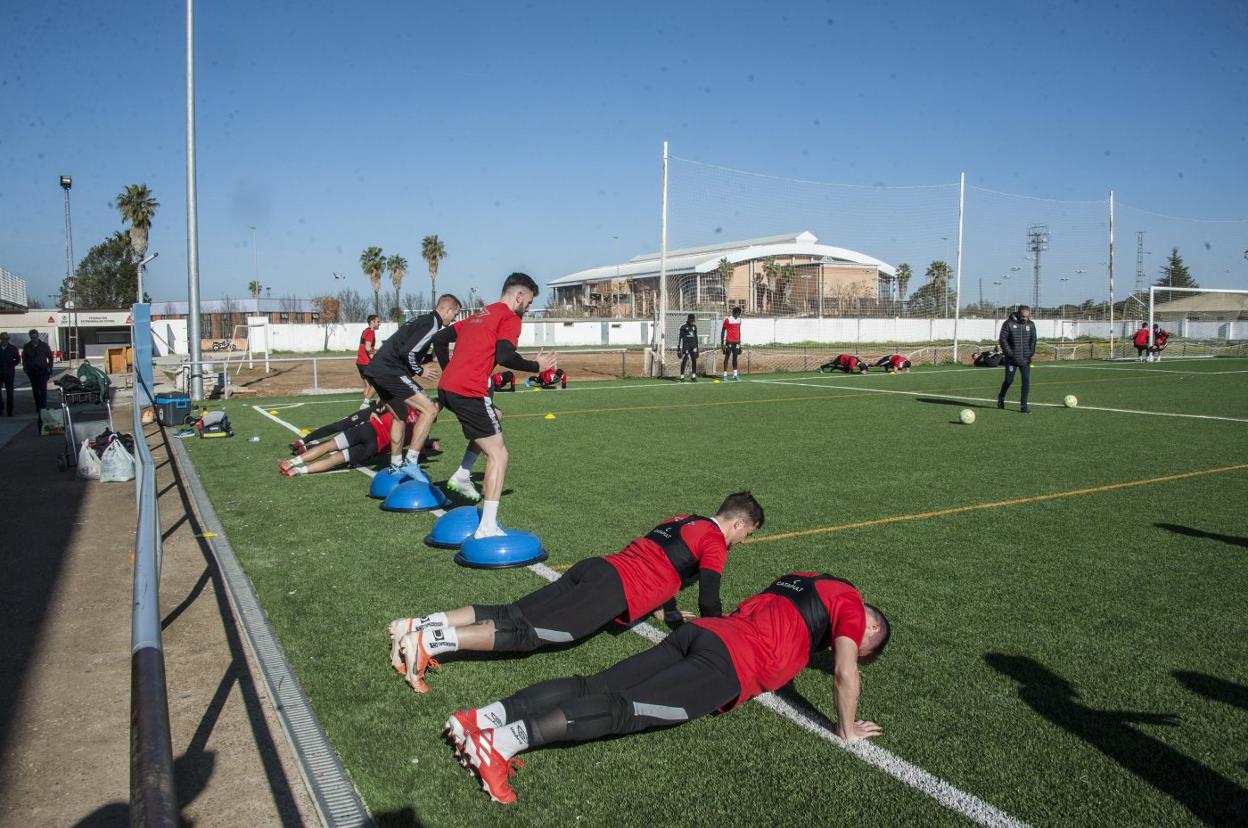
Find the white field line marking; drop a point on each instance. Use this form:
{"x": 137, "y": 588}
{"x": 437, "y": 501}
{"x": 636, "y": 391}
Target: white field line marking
{"x": 941, "y": 395}
{"x": 1154, "y": 370}
{"x": 970, "y": 806}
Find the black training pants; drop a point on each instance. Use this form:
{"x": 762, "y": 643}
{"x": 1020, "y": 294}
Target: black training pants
{"x": 588, "y": 597}
{"x": 1025, "y": 371}
{"x": 39, "y": 388}
{"x": 688, "y": 675}
{"x": 6, "y": 387}
{"x": 338, "y": 427}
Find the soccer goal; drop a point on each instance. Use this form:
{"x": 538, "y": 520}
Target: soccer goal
{"x": 1196, "y": 323}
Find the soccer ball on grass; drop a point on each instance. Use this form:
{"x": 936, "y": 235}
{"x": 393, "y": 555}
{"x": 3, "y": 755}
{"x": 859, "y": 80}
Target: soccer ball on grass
{"x": 967, "y": 416}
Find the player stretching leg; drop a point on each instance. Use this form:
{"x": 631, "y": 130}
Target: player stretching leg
{"x": 730, "y": 342}
{"x": 628, "y": 586}
{"x": 711, "y": 665}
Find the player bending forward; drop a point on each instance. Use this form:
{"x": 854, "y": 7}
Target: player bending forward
{"x": 895, "y": 362}
{"x": 554, "y": 378}
{"x": 711, "y": 665}
{"x": 483, "y": 339}
{"x": 848, "y": 363}
{"x": 626, "y": 586}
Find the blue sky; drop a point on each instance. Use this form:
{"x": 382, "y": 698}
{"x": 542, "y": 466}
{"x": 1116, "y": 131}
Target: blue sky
{"x": 527, "y": 136}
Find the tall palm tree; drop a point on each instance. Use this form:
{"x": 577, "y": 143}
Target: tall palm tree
{"x": 938, "y": 273}
{"x": 726, "y": 272}
{"x": 373, "y": 263}
{"x": 397, "y": 265}
{"x": 137, "y": 206}
{"x": 254, "y": 288}
{"x": 903, "y": 280}
{"x": 432, "y": 250}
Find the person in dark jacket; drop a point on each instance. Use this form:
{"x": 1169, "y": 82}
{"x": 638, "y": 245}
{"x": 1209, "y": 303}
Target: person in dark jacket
{"x": 1018, "y": 344}
{"x": 37, "y": 363}
{"x": 9, "y": 360}
{"x": 687, "y": 347}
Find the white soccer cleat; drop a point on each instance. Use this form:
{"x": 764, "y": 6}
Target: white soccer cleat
{"x": 416, "y": 660}
{"x": 464, "y": 488}
{"x": 400, "y": 627}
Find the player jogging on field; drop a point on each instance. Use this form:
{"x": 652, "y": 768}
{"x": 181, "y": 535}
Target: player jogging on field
{"x": 400, "y": 358}
{"x": 848, "y": 363}
{"x": 363, "y": 356}
{"x": 1018, "y": 343}
{"x": 687, "y": 347}
{"x": 482, "y": 340}
{"x": 628, "y": 586}
{"x": 730, "y": 342}
{"x": 895, "y": 362}
{"x": 711, "y": 665}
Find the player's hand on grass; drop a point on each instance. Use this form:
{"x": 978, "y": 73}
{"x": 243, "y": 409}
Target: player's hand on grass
{"x": 859, "y": 730}
{"x": 546, "y": 362}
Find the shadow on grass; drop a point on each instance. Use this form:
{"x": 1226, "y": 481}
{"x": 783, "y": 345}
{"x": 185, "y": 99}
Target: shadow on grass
{"x": 946, "y": 401}
{"x": 1209, "y": 796}
{"x": 1233, "y": 540}
{"x": 1214, "y": 688}
{"x": 402, "y": 818}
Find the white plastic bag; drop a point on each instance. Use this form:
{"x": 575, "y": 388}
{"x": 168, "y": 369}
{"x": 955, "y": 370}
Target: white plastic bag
{"x": 89, "y": 466}
{"x": 52, "y": 421}
{"x": 116, "y": 465}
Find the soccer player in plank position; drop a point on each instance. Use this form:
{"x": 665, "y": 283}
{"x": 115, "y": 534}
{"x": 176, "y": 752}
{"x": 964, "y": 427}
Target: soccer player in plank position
{"x": 482, "y": 340}
{"x": 687, "y": 347}
{"x": 400, "y": 359}
{"x": 368, "y": 347}
{"x": 503, "y": 381}
{"x": 848, "y": 363}
{"x": 357, "y": 445}
{"x": 628, "y": 586}
{"x": 556, "y": 378}
{"x": 895, "y": 362}
{"x": 711, "y": 665}
{"x": 730, "y": 342}
{"x": 1160, "y": 337}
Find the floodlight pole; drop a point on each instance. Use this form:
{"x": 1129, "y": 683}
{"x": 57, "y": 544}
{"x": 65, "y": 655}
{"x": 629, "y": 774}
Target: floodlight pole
{"x": 957, "y": 283}
{"x": 1111, "y": 276}
{"x": 662, "y": 337}
{"x": 192, "y": 216}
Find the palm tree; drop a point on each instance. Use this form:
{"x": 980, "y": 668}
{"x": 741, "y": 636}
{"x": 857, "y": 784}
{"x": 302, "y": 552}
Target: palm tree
{"x": 938, "y": 273}
{"x": 432, "y": 250}
{"x": 771, "y": 275}
{"x": 138, "y": 206}
{"x": 254, "y": 288}
{"x": 373, "y": 263}
{"x": 726, "y": 272}
{"x": 397, "y": 265}
{"x": 903, "y": 280}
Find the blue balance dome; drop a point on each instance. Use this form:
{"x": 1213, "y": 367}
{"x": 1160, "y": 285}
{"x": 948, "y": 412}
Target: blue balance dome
{"x": 453, "y": 528}
{"x": 516, "y": 548}
{"x": 385, "y": 481}
{"x": 414, "y": 496}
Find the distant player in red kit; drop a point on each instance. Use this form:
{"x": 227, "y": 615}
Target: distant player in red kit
{"x": 848, "y": 363}
{"x": 894, "y": 362}
{"x": 503, "y": 381}
{"x": 730, "y": 342}
{"x": 628, "y": 586}
{"x": 1160, "y": 337}
{"x": 556, "y": 378}
{"x": 484, "y": 339}
{"x": 711, "y": 665}
{"x": 364, "y": 355}
{"x": 1140, "y": 341}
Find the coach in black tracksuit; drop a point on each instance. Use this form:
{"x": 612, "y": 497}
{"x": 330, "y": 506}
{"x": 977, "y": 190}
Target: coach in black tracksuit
{"x": 1018, "y": 345}
{"x": 687, "y": 347}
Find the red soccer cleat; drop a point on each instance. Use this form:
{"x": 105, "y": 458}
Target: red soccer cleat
{"x": 459, "y": 728}
{"x": 490, "y": 767}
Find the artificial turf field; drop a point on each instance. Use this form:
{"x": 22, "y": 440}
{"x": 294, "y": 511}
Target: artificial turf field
{"x": 1072, "y": 659}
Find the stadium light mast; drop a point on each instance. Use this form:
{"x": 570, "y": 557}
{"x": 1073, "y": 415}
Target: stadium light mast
{"x": 69, "y": 294}
{"x": 192, "y": 217}
{"x": 1037, "y": 240}
{"x": 662, "y": 337}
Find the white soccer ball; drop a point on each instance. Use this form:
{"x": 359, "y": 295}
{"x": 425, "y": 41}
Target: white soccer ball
{"x": 967, "y": 416}
{"x": 1070, "y": 401}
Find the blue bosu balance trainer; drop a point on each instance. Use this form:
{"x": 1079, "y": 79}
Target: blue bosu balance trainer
{"x": 453, "y": 528}
{"x": 385, "y": 481}
{"x": 414, "y": 496}
{"x": 516, "y": 548}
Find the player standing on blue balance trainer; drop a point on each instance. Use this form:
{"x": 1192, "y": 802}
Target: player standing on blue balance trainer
{"x": 626, "y": 586}
{"x": 711, "y": 665}
{"x": 1018, "y": 343}
{"x": 393, "y": 369}
{"x": 484, "y": 339}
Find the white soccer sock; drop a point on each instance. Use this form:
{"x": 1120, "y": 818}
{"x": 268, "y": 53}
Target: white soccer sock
{"x": 511, "y": 739}
{"x": 433, "y": 619}
{"x": 440, "y": 640}
{"x": 489, "y": 515}
{"x": 492, "y": 715}
{"x": 396, "y": 459}
{"x": 300, "y": 469}
{"x": 297, "y": 460}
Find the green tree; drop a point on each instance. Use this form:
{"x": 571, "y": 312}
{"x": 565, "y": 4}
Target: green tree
{"x": 726, "y": 271}
{"x": 105, "y": 276}
{"x": 397, "y": 265}
{"x": 137, "y": 206}
{"x": 903, "y": 280}
{"x": 254, "y": 288}
{"x": 938, "y": 274}
{"x": 1175, "y": 274}
{"x": 373, "y": 263}
{"x": 432, "y": 250}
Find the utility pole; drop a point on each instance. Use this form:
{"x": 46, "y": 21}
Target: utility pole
{"x": 1037, "y": 240}
{"x": 192, "y": 217}
{"x": 70, "y": 298}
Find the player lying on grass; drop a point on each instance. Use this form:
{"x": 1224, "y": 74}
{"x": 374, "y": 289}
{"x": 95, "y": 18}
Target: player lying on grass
{"x": 626, "y": 586}
{"x": 895, "y": 362}
{"x": 711, "y": 665}
{"x": 358, "y": 445}
{"x": 988, "y": 359}
{"x": 554, "y": 378}
{"x": 355, "y": 418}
{"x": 848, "y": 363}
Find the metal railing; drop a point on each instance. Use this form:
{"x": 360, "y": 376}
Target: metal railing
{"x": 153, "y": 801}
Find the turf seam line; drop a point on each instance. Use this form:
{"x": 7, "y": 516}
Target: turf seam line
{"x": 1018, "y": 501}
{"x": 335, "y": 797}
{"x": 968, "y": 805}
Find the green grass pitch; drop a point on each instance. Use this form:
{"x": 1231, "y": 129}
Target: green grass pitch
{"x": 1070, "y": 660}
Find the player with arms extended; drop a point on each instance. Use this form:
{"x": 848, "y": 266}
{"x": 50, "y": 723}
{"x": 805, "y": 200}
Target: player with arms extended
{"x": 730, "y": 342}
{"x": 484, "y": 339}
{"x": 711, "y": 665}
{"x": 626, "y": 586}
